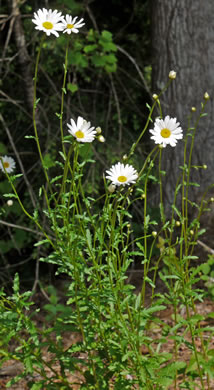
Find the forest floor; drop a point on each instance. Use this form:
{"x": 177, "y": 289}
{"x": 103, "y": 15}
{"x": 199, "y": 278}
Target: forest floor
{"x": 12, "y": 368}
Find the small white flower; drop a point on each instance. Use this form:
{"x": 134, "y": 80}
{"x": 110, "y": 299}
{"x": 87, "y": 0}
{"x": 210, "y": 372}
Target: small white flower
{"x": 8, "y": 164}
{"x": 70, "y": 24}
{"x": 48, "y": 21}
{"x": 82, "y": 130}
{"x": 10, "y": 202}
{"x": 121, "y": 174}
{"x": 166, "y": 131}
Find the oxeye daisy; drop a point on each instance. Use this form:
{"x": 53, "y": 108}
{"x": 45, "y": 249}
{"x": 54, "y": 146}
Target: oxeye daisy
{"x": 48, "y": 21}
{"x": 121, "y": 174}
{"x": 8, "y": 164}
{"x": 70, "y": 25}
{"x": 166, "y": 131}
{"x": 82, "y": 130}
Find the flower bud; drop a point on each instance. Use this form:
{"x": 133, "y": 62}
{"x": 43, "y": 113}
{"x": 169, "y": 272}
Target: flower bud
{"x": 191, "y": 232}
{"x": 206, "y": 96}
{"x": 128, "y": 225}
{"x": 10, "y": 202}
{"x": 204, "y": 166}
{"x": 177, "y": 223}
{"x": 193, "y": 109}
{"x": 98, "y": 130}
{"x": 143, "y": 196}
{"x": 101, "y": 138}
{"x": 211, "y": 199}
{"x": 125, "y": 157}
{"x": 155, "y": 96}
{"x": 111, "y": 188}
{"x": 154, "y": 233}
{"x": 172, "y": 75}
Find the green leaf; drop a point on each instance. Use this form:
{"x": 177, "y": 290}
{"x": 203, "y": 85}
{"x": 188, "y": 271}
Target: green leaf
{"x": 16, "y": 284}
{"x": 36, "y": 102}
{"x": 90, "y": 48}
{"x": 30, "y": 137}
{"x": 88, "y": 236}
{"x": 98, "y": 60}
{"x": 48, "y": 161}
{"x": 37, "y": 386}
{"x": 77, "y": 58}
{"x": 72, "y": 87}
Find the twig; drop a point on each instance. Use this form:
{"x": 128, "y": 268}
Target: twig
{"x": 91, "y": 16}
{"x": 137, "y": 68}
{"x": 20, "y": 227}
{"x": 118, "y": 111}
{"x": 206, "y": 247}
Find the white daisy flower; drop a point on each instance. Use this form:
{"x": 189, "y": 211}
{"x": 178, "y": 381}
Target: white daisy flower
{"x": 166, "y": 131}
{"x": 48, "y": 21}
{"x": 121, "y": 174}
{"x": 70, "y": 25}
{"x": 8, "y": 164}
{"x": 82, "y": 130}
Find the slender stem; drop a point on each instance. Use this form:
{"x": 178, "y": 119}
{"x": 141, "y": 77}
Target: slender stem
{"x": 62, "y": 96}
{"x": 35, "y": 102}
{"x": 148, "y": 120}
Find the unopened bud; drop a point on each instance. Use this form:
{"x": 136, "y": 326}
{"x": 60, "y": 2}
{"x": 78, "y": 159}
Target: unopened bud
{"x": 111, "y": 188}
{"x": 191, "y": 232}
{"x": 143, "y": 196}
{"x": 98, "y": 130}
{"x": 172, "y": 75}
{"x": 206, "y": 96}
{"x": 211, "y": 199}
{"x": 193, "y": 109}
{"x": 128, "y": 225}
{"x": 101, "y": 138}
{"x": 177, "y": 223}
{"x": 125, "y": 157}
{"x": 155, "y": 96}
{"x": 204, "y": 166}
{"x": 10, "y": 202}
{"x": 154, "y": 233}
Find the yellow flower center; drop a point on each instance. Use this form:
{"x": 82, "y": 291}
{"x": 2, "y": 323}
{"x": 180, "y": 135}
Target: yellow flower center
{"x": 48, "y": 25}
{"x": 79, "y": 134}
{"x": 6, "y": 165}
{"x": 70, "y": 26}
{"x": 165, "y": 133}
{"x": 122, "y": 179}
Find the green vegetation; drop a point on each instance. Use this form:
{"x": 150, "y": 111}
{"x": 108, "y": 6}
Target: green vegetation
{"x": 90, "y": 227}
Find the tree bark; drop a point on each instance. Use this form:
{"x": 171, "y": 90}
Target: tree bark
{"x": 183, "y": 41}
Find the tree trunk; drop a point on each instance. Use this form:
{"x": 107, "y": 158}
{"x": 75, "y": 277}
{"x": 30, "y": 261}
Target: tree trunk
{"x": 183, "y": 41}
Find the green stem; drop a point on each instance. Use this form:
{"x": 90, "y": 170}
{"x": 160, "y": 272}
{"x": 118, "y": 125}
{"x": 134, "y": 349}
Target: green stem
{"x": 62, "y": 97}
{"x": 35, "y": 102}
